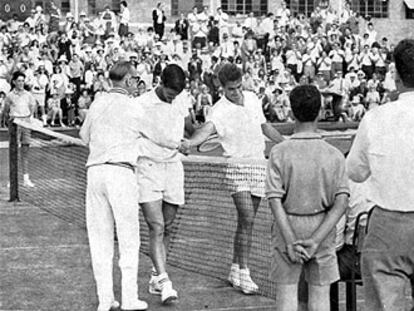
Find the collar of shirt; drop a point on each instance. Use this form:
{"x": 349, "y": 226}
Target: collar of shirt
{"x": 306, "y": 135}
{"x": 19, "y": 93}
{"x": 118, "y": 90}
{"x": 228, "y": 102}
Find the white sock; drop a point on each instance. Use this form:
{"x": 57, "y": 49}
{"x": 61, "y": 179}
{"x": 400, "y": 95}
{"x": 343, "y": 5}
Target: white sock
{"x": 163, "y": 276}
{"x": 235, "y": 266}
{"x": 154, "y": 271}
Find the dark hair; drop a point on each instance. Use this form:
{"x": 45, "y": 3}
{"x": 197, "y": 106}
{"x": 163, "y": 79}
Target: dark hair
{"x": 124, "y": 3}
{"x": 18, "y": 74}
{"x": 404, "y": 61}
{"x": 173, "y": 77}
{"x": 119, "y": 70}
{"x": 305, "y": 101}
{"x": 229, "y": 72}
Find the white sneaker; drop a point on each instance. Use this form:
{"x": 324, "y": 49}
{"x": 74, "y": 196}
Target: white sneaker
{"x": 154, "y": 287}
{"x": 113, "y": 307}
{"x": 247, "y": 285}
{"x": 234, "y": 276}
{"x": 139, "y": 306}
{"x": 168, "y": 294}
{"x": 27, "y": 182}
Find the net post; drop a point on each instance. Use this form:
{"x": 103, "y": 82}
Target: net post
{"x": 13, "y": 162}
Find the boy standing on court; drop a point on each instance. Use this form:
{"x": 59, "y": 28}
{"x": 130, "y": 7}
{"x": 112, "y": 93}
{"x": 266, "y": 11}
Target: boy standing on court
{"x": 307, "y": 189}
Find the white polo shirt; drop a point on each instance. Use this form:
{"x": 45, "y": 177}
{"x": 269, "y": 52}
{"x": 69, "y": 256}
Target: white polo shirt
{"x": 164, "y": 127}
{"x": 239, "y": 127}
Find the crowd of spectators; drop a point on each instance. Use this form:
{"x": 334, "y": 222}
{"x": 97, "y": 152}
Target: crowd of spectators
{"x": 66, "y": 62}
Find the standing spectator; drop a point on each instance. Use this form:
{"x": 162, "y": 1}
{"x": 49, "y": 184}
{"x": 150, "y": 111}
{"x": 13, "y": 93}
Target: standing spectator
{"x": 223, "y": 21}
{"x": 108, "y": 20}
{"x": 158, "y": 19}
{"x": 54, "y": 17}
{"x": 181, "y": 27}
{"x": 365, "y": 59}
{"x": 124, "y": 20}
{"x": 195, "y": 68}
{"x": 41, "y": 81}
{"x": 213, "y": 36}
{"x": 65, "y": 47}
{"x": 248, "y": 47}
{"x": 19, "y": 104}
{"x": 251, "y": 22}
{"x": 76, "y": 73}
{"x": 382, "y": 151}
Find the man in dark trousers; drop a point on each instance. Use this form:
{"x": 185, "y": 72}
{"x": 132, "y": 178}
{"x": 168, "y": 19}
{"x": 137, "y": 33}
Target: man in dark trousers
{"x": 159, "y": 18}
{"x": 181, "y": 27}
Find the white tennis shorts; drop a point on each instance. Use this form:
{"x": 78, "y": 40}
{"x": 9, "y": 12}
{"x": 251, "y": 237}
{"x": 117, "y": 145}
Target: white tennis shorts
{"x": 160, "y": 181}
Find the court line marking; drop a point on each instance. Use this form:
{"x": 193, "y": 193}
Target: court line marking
{"x": 240, "y": 308}
{"x": 257, "y": 307}
{"x": 43, "y": 247}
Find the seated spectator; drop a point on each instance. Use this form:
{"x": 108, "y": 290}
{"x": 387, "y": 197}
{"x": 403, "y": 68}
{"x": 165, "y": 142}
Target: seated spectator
{"x": 356, "y": 110}
{"x": 55, "y": 109}
{"x": 372, "y": 98}
{"x": 84, "y": 102}
{"x": 203, "y": 104}
{"x": 101, "y": 84}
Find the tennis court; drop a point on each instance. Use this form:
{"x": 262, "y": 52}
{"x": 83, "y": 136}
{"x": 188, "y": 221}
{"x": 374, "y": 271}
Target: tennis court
{"x": 45, "y": 265}
{"x": 47, "y": 258}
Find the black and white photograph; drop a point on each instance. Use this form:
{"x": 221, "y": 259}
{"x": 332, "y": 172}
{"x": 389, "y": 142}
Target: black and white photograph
{"x": 193, "y": 155}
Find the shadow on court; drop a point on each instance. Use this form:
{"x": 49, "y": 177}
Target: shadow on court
{"x": 45, "y": 265}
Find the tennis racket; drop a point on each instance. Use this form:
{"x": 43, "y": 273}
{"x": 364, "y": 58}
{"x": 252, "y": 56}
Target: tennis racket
{"x": 212, "y": 143}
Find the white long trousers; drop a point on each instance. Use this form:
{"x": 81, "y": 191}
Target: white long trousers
{"x": 112, "y": 197}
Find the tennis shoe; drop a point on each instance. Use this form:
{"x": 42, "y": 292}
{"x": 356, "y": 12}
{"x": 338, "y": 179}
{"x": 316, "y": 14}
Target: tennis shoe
{"x": 234, "y": 276}
{"x": 27, "y": 182}
{"x": 247, "y": 285}
{"x": 168, "y": 294}
{"x": 113, "y": 307}
{"x": 154, "y": 287}
{"x": 139, "y": 306}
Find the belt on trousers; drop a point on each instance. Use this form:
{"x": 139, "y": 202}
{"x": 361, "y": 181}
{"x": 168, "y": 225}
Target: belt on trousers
{"x": 120, "y": 164}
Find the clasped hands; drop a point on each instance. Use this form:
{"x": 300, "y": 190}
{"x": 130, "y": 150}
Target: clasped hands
{"x": 301, "y": 251}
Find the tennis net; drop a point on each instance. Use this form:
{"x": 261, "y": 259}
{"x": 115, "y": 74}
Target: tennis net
{"x": 203, "y": 232}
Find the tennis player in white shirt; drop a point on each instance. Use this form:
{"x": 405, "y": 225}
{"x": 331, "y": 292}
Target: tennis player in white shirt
{"x": 238, "y": 120}
{"x": 160, "y": 173}
{"x": 112, "y": 132}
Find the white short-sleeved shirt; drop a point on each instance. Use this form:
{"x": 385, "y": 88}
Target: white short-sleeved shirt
{"x": 164, "y": 126}
{"x": 239, "y": 127}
